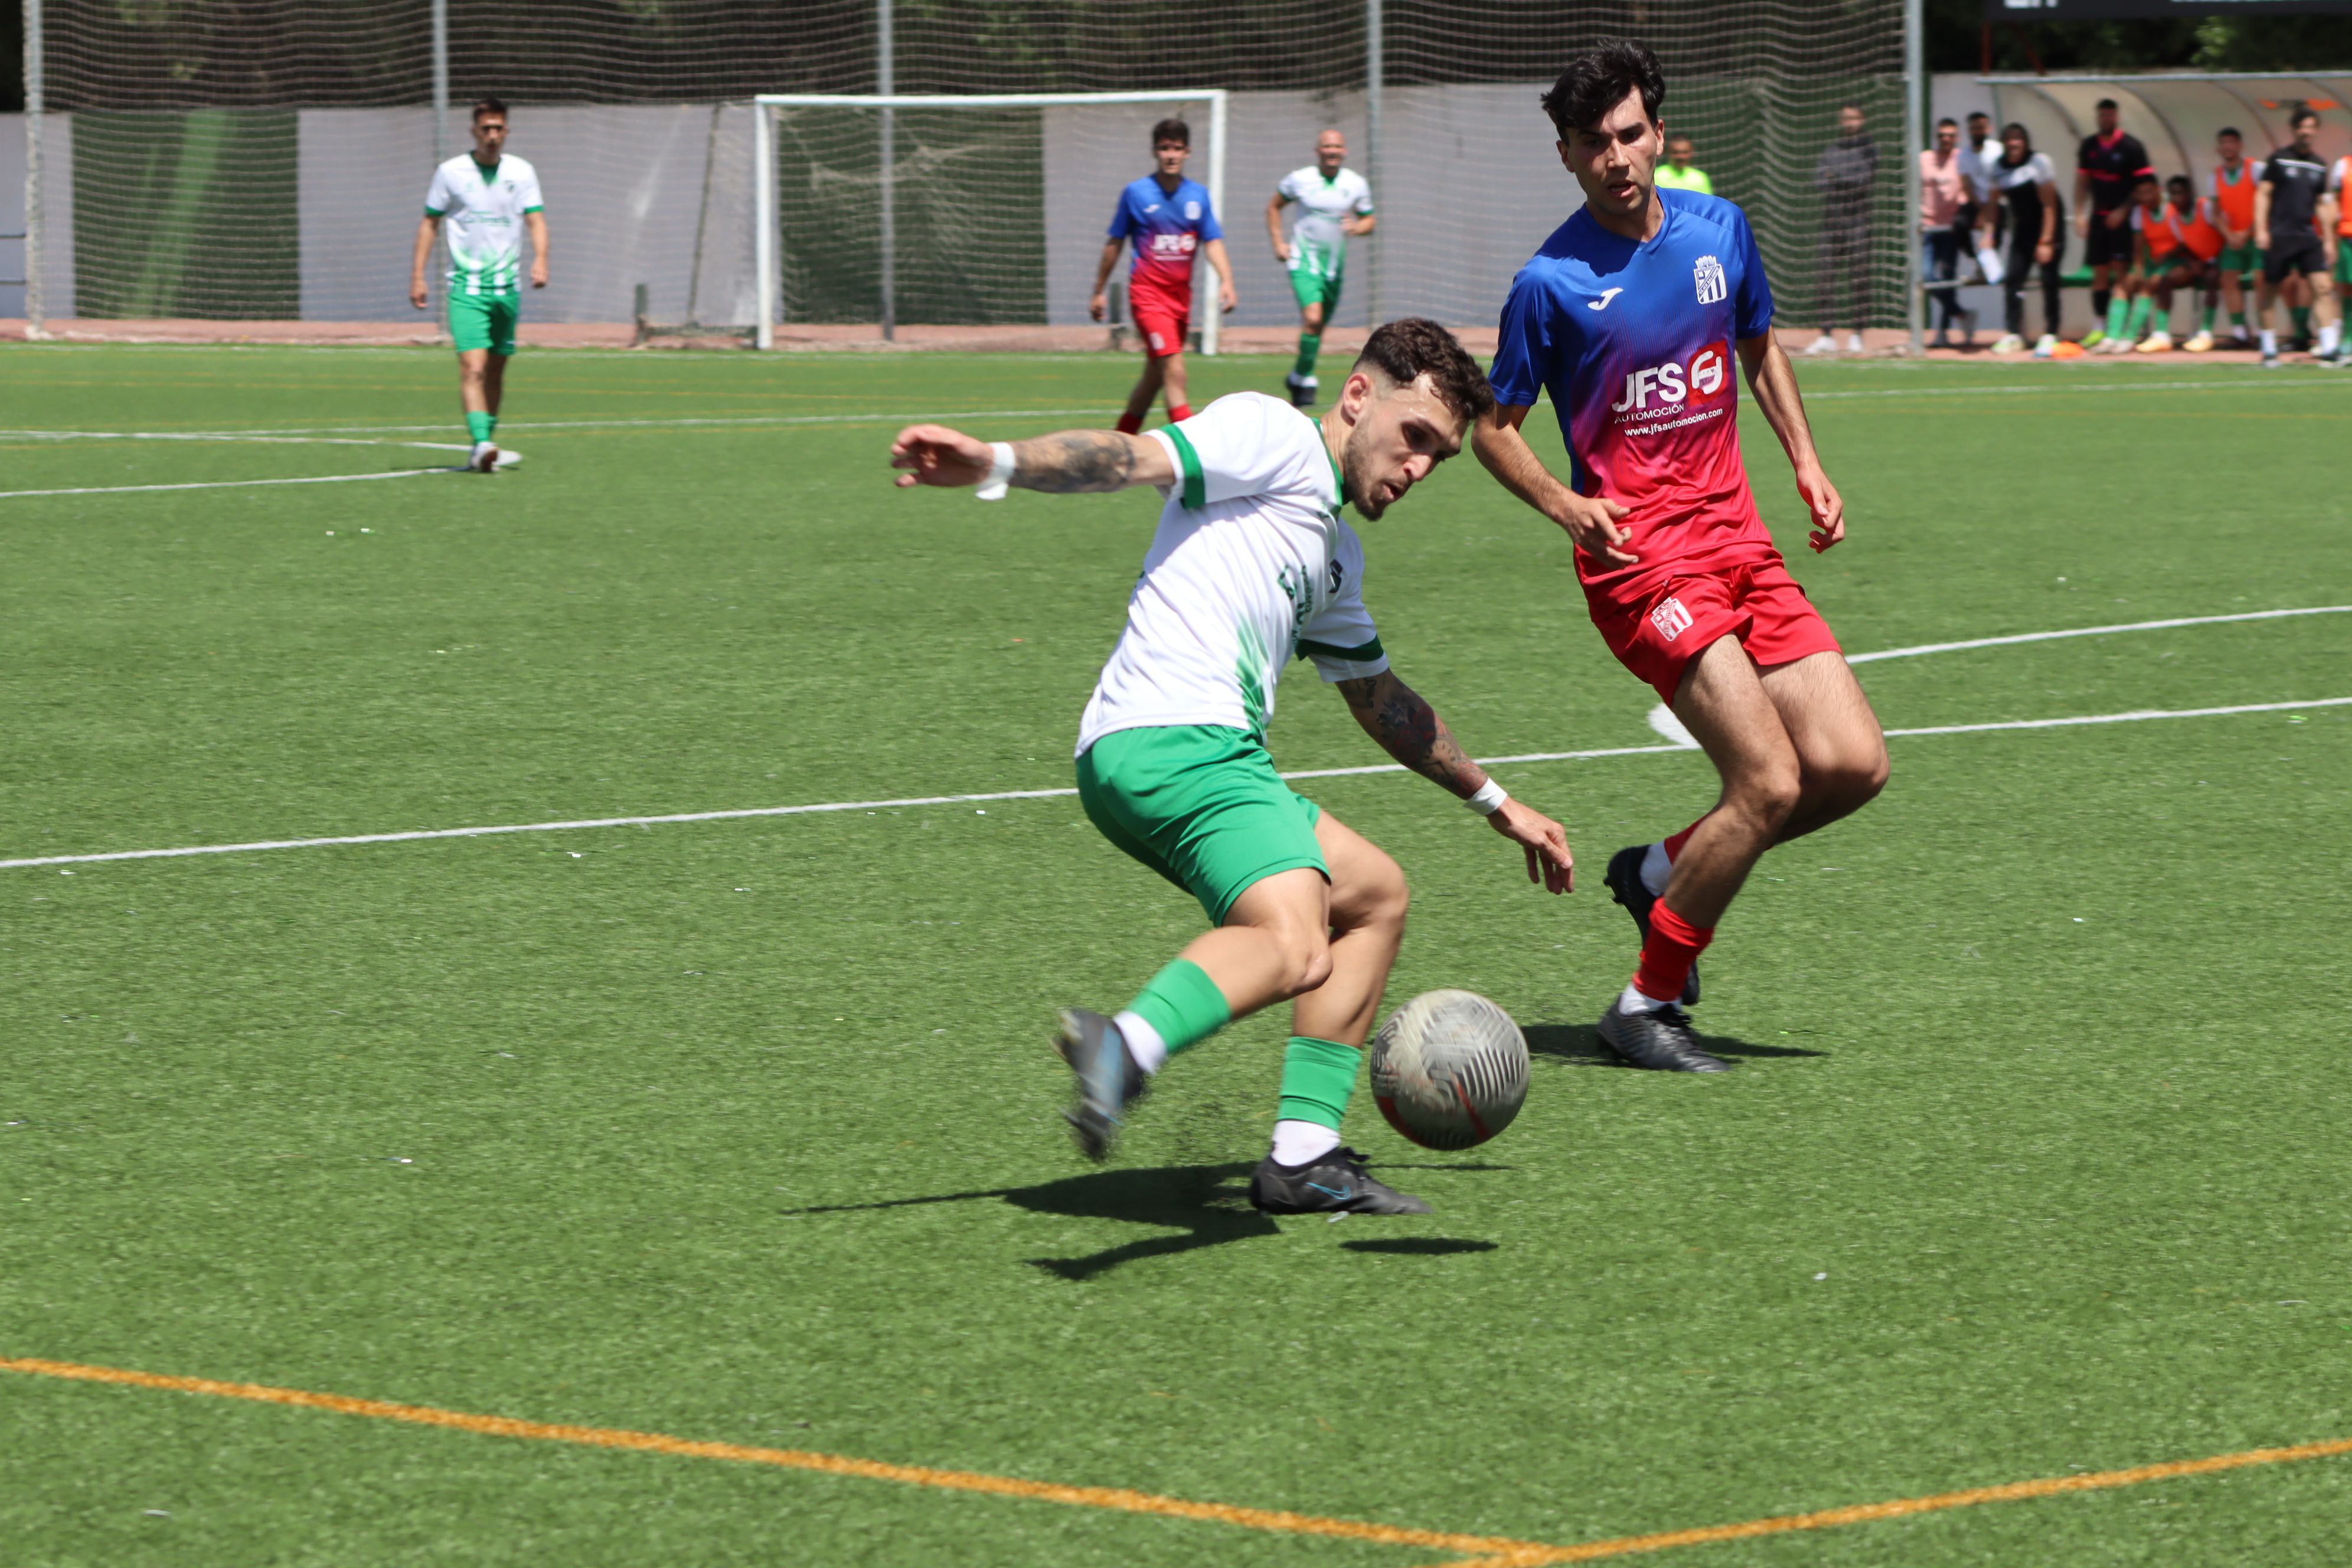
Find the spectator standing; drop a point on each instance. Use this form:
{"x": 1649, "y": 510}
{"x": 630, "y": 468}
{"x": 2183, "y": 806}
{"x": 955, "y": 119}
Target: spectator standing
{"x": 1980, "y": 151}
{"x": 2295, "y": 226}
{"x": 2036, "y": 218}
{"x": 1845, "y": 173}
{"x": 1677, "y": 173}
{"x": 2107, "y": 166}
{"x": 1942, "y": 202}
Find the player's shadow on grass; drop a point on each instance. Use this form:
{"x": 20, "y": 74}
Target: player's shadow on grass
{"x": 1579, "y": 1045}
{"x": 1209, "y": 1205}
{"x": 1417, "y": 1246}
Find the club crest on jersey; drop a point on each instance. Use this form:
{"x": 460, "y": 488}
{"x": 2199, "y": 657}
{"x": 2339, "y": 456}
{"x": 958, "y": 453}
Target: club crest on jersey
{"x": 1709, "y": 275}
{"x": 1655, "y": 391}
{"x": 1192, "y": 212}
{"x": 1671, "y": 619}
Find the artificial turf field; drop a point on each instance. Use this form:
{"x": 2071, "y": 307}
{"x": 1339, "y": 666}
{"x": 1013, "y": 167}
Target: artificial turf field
{"x": 746, "y": 1131}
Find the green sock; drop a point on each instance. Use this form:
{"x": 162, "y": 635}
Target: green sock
{"x": 1309, "y": 345}
{"x": 2210, "y": 311}
{"x": 494, "y": 424}
{"x": 2302, "y": 314}
{"x": 1184, "y": 1005}
{"x": 2117, "y": 308}
{"x": 2244, "y": 325}
{"x": 1317, "y": 1077}
{"x": 478, "y": 425}
{"x": 2138, "y": 317}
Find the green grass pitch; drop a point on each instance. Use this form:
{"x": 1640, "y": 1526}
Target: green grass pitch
{"x": 748, "y": 1131}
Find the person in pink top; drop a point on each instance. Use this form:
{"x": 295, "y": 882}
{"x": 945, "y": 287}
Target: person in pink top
{"x": 1944, "y": 197}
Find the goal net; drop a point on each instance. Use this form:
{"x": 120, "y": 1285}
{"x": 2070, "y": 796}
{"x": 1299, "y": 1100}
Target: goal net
{"x": 967, "y": 210}
{"x": 268, "y": 158}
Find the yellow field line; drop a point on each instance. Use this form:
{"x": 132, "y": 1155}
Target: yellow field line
{"x": 1864, "y": 1514}
{"x": 1114, "y": 1498}
{"x": 1490, "y": 1552}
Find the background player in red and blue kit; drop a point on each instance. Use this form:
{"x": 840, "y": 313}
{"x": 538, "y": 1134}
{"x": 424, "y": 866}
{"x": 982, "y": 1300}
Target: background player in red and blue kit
{"x": 1629, "y": 317}
{"x": 1169, "y": 221}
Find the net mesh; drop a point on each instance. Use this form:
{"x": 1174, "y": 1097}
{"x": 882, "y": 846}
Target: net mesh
{"x": 171, "y": 117}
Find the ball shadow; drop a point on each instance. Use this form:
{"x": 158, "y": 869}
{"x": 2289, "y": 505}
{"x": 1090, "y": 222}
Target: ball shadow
{"x": 1417, "y": 1246}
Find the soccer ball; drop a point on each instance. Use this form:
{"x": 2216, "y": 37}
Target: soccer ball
{"x": 1449, "y": 1069}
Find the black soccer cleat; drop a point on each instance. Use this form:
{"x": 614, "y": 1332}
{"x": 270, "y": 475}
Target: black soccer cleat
{"x": 1660, "y": 1040}
{"x": 1108, "y": 1079}
{"x": 1625, "y": 885}
{"x": 1333, "y": 1184}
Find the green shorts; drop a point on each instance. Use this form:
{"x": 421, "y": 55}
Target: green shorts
{"x": 1314, "y": 288}
{"x": 2242, "y": 260}
{"x": 2344, "y": 259}
{"x": 484, "y": 320}
{"x": 1202, "y": 806}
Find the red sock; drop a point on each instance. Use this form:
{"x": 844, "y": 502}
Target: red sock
{"x": 1674, "y": 845}
{"x": 1130, "y": 423}
{"x": 1179, "y": 412}
{"x": 1673, "y": 946}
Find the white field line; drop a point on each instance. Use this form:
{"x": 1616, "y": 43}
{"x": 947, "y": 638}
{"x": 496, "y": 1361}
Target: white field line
{"x": 2135, "y": 716}
{"x": 2099, "y": 388}
{"x": 760, "y": 420}
{"x": 232, "y": 484}
{"x": 259, "y": 437}
{"x": 2094, "y": 631}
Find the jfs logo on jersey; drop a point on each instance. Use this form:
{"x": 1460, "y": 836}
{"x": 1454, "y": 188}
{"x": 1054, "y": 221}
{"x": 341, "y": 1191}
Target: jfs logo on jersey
{"x": 1173, "y": 244}
{"x": 1656, "y": 390}
{"x": 1707, "y": 273}
{"x": 1671, "y": 619}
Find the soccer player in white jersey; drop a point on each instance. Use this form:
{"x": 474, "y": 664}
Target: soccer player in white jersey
{"x": 1250, "y": 567}
{"x": 1335, "y": 205}
{"x": 487, "y": 198}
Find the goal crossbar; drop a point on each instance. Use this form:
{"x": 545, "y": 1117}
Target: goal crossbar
{"x": 767, "y": 236}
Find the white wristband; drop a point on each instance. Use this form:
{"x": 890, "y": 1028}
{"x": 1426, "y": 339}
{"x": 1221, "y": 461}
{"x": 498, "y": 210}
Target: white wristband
{"x": 1000, "y": 473}
{"x": 1488, "y": 799}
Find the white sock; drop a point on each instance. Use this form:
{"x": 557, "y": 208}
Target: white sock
{"x": 2270, "y": 341}
{"x": 2327, "y": 337}
{"x": 1854, "y": 342}
{"x": 1632, "y": 1001}
{"x": 1299, "y": 1142}
{"x": 1655, "y": 870}
{"x": 1143, "y": 1041}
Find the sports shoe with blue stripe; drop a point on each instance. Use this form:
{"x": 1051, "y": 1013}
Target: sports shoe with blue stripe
{"x": 1108, "y": 1079}
{"x": 1334, "y": 1184}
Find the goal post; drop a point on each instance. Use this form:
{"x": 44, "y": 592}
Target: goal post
{"x": 969, "y": 208}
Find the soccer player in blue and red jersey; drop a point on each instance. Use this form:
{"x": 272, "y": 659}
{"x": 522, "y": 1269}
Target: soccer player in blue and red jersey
{"x": 1169, "y": 220}
{"x": 1629, "y": 318}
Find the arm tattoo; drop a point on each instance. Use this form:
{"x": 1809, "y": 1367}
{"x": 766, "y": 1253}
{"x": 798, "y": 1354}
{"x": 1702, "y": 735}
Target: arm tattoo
{"x": 1074, "y": 461}
{"x": 1409, "y": 730}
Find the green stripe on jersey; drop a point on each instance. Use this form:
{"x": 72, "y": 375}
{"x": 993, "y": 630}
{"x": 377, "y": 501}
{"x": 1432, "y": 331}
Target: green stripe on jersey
{"x": 1195, "y": 493}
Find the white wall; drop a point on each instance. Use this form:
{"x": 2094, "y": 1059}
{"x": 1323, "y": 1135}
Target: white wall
{"x": 56, "y": 182}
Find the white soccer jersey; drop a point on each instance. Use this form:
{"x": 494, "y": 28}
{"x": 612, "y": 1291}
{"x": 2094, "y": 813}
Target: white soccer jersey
{"x": 1318, "y": 244}
{"x": 1251, "y": 566}
{"x": 482, "y": 212}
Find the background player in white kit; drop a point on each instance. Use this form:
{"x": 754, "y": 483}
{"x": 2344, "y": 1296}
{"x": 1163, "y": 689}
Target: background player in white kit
{"x": 1251, "y": 566}
{"x": 487, "y": 198}
{"x": 1335, "y": 203}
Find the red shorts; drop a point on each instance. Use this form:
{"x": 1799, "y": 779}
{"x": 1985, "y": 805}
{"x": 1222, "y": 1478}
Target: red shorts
{"x": 1163, "y": 326}
{"x": 1656, "y": 627}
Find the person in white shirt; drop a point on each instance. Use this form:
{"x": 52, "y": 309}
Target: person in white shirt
{"x": 488, "y": 198}
{"x": 1250, "y": 567}
{"x": 1335, "y": 205}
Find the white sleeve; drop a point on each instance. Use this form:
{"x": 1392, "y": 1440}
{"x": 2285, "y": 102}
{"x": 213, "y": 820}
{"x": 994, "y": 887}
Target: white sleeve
{"x": 527, "y": 190}
{"x": 1288, "y": 189}
{"x": 1363, "y": 195}
{"x": 1340, "y": 638}
{"x": 438, "y": 197}
{"x": 1245, "y": 443}
{"x": 2336, "y": 175}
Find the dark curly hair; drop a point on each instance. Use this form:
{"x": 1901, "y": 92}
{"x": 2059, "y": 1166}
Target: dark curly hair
{"x": 1597, "y": 82}
{"x": 1414, "y": 347}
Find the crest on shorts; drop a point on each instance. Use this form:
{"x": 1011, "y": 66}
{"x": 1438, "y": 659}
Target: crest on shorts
{"x": 1671, "y": 619}
{"x": 1709, "y": 275}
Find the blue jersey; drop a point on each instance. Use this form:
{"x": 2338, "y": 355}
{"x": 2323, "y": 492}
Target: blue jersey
{"x": 1635, "y": 343}
{"x": 1167, "y": 231}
